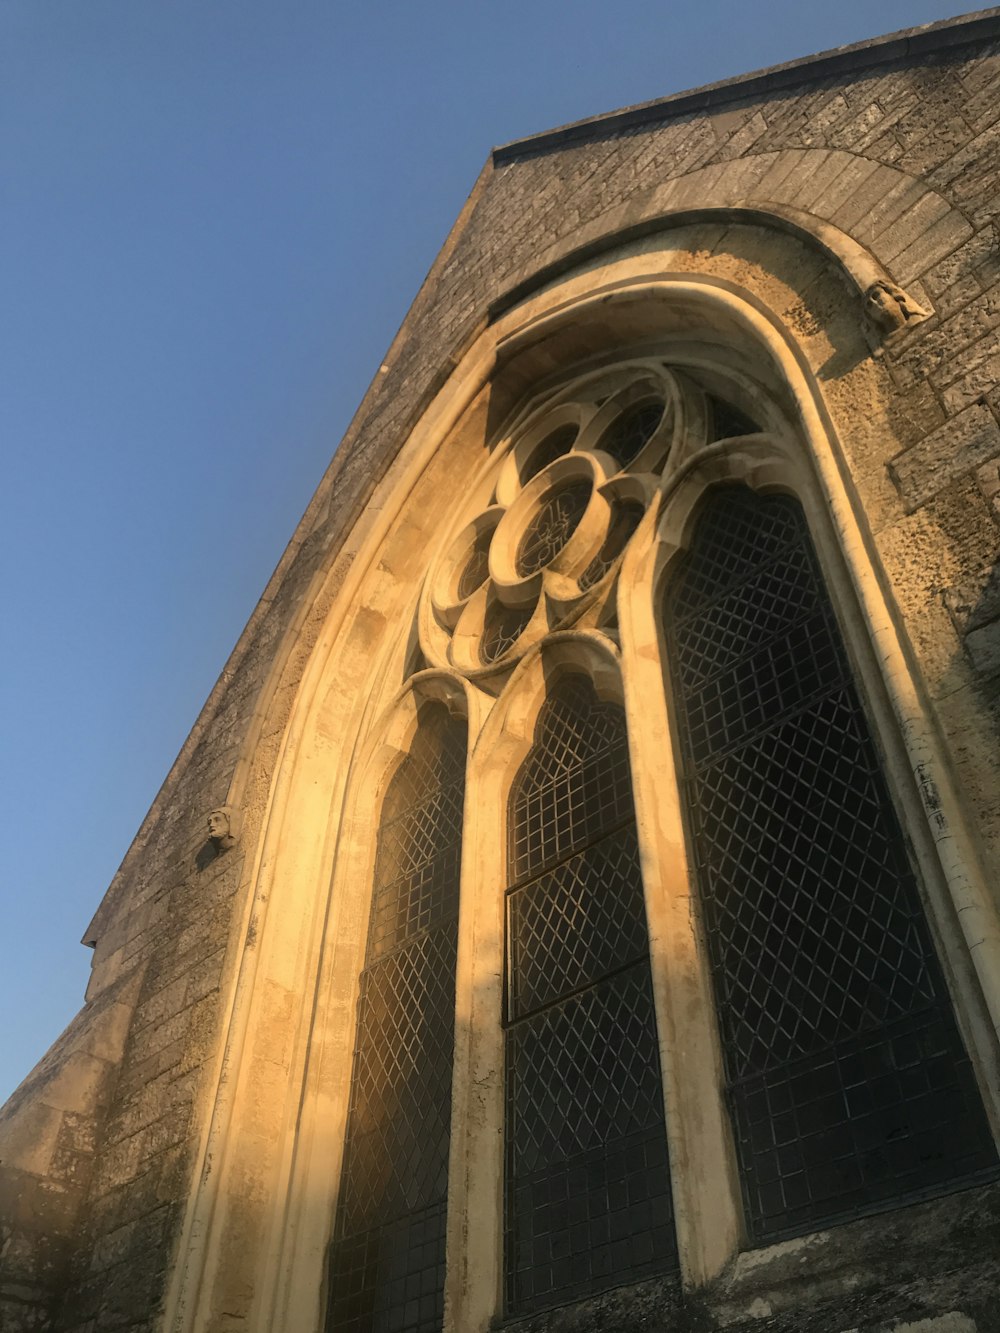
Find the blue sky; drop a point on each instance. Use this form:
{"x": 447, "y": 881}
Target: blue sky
{"x": 213, "y": 216}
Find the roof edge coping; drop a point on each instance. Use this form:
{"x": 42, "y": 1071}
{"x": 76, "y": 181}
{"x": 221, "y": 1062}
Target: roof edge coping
{"x": 965, "y": 28}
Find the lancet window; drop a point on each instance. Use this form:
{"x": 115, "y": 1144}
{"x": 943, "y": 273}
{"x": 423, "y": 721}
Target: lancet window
{"x": 846, "y": 1077}
{"x": 387, "y": 1258}
{"x": 588, "y": 1201}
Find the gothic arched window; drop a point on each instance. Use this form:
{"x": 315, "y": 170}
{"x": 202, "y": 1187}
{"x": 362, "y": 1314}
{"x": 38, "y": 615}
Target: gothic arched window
{"x": 587, "y": 1197}
{"x": 387, "y": 1257}
{"x": 847, "y": 1081}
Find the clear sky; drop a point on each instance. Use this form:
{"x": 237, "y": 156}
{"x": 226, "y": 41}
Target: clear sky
{"x": 213, "y": 217}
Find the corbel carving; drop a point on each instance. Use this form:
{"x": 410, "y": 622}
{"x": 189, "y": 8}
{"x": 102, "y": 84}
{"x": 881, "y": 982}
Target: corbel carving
{"x": 890, "y": 309}
{"x": 223, "y": 827}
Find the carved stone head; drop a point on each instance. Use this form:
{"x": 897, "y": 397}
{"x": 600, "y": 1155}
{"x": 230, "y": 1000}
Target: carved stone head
{"x": 222, "y": 826}
{"x": 889, "y": 308}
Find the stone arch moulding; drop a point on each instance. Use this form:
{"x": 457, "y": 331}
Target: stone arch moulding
{"x": 283, "y": 1253}
{"x": 254, "y": 1097}
{"x": 767, "y": 189}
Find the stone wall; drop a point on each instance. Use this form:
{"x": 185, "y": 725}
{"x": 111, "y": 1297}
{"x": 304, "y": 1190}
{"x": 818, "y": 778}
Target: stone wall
{"x": 896, "y": 144}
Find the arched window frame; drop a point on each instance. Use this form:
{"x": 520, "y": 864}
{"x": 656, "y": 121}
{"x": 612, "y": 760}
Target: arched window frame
{"x": 707, "y": 1198}
{"x": 706, "y": 1188}
{"x": 334, "y": 1023}
{"x": 474, "y": 1282}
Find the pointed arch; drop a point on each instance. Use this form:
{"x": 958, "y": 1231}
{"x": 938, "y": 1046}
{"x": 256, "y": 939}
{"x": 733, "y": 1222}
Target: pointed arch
{"x": 848, "y": 1083}
{"x": 587, "y": 1201}
{"x": 387, "y": 1256}
{"x": 694, "y": 323}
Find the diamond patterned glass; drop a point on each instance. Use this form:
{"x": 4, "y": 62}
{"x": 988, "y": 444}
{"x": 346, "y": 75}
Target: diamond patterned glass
{"x": 587, "y": 1200}
{"x": 552, "y": 526}
{"x": 579, "y": 921}
{"x": 575, "y": 786}
{"x": 387, "y": 1256}
{"x": 847, "y": 1079}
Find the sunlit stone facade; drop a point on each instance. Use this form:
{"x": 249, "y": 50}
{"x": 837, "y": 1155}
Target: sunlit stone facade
{"x": 577, "y": 905}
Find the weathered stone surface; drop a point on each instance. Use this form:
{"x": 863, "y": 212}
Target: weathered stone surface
{"x": 965, "y": 441}
{"x": 897, "y": 146}
{"x": 876, "y": 1277}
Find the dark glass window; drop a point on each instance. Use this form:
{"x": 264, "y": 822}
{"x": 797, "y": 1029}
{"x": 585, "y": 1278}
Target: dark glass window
{"x": 502, "y": 627}
{"x": 626, "y": 515}
{"x": 587, "y": 1197}
{"x": 848, "y": 1084}
{"x": 633, "y": 430}
{"x": 551, "y": 528}
{"x": 728, "y": 421}
{"x": 387, "y": 1257}
{"x": 555, "y": 444}
{"x": 477, "y": 566}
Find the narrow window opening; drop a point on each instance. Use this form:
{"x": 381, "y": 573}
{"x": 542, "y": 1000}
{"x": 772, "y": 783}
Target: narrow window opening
{"x": 587, "y": 1198}
{"x": 848, "y": 1084}
{"x": 387, "y": 1257}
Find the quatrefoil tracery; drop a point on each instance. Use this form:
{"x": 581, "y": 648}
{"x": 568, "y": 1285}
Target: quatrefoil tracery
{"x": 575, "y": 481}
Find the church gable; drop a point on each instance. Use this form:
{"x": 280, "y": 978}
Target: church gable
{"x": 579, "y": 893}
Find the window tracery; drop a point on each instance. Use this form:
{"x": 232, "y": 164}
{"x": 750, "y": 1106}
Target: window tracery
{"x": 587, "y": 1200}
{"x": 576, "y": 478}
{"x": 551, "y": 526}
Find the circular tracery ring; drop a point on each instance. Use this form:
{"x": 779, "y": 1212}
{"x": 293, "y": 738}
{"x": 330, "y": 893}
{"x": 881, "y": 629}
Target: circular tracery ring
{"x": 574, "y": 482}
{"x": 554, "y": 523}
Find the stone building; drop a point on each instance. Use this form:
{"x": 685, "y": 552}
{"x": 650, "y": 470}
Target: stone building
{"x": 596, "y": 926}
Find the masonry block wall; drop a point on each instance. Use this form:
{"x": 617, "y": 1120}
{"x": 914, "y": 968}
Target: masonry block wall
{"x": 895, "y": 143}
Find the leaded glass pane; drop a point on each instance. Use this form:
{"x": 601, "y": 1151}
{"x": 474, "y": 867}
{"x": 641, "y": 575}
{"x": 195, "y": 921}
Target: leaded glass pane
{"x": 553, "y": 446}
{"x": 628, "y": 436}
{"x": 588, "y": 1202}
{"x": 387, "y": 1257}
{"x": 477, "y": 566}
{"x": 502, "y": 627}
{"x": 626, "y": 515}
{"x": 548, "y": 532}
{"x": 575, "y": 923}
{"x": 575, "y": 785}
{"x": 847, "y": 1079}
